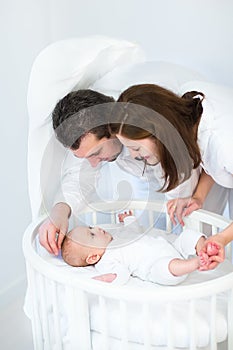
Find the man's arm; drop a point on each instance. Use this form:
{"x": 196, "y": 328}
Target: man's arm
{"x": 78, "y": 184}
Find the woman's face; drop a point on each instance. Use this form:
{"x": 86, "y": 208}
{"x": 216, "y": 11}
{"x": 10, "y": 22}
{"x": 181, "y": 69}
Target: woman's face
{"x": 144, "y": 149}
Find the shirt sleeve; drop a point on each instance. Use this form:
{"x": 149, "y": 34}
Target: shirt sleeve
{"x": 160, "y": 273}
{"x": 78, "y": 184}
{"x": 186, "y": 242}
{"x": 130, "y": 222}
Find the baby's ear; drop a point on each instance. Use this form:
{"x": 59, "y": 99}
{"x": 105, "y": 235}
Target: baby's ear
{"x": 91, "y": 259}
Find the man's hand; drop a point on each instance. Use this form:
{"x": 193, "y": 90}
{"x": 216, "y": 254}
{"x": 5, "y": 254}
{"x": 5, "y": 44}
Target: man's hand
{"x": 54, "y": 229}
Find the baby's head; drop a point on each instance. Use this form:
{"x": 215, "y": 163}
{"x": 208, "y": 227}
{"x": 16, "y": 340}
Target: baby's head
{"x": 84, "y": 245}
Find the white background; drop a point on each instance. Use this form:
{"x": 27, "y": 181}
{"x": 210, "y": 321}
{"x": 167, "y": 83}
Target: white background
{"x": 195, "y": 33}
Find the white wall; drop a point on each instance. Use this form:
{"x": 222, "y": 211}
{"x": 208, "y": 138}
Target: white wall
{"x": 195, "y": 33}
{"x": 24, "y": 31}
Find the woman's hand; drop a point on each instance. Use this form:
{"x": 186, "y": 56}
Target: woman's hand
{"x": 180, "y": 207}
{"x": 214, "y": 248}
{"x": 221, "y": 239}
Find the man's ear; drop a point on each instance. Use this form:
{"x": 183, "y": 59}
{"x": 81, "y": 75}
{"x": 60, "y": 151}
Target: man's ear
{"x": 92, "y": 259}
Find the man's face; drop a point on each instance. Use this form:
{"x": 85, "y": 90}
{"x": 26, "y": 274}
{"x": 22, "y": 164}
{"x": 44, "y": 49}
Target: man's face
{"x": 96, "y": 151}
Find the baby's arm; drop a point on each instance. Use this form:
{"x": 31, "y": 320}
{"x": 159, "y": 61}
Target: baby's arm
{"x": 202, "y": 262}
{"x": 180, "y": 267}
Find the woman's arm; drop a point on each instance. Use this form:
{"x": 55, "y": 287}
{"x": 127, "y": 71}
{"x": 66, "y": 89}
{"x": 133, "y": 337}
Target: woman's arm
{"x": 224, "y": 237}
{"x": 221, "y": 239}
{"x": 204, "y": 186}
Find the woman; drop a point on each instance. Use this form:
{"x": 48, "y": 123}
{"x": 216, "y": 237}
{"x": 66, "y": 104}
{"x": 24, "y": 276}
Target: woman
{"x": 196, "y": 119}
{"x": 158, "y": 130}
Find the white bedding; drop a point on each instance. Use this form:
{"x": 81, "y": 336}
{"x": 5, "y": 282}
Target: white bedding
{"x": 158, "y": 321}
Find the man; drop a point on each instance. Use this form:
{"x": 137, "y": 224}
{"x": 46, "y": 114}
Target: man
{"x": 61, "y": 67}
{"x": 80, "y": 122}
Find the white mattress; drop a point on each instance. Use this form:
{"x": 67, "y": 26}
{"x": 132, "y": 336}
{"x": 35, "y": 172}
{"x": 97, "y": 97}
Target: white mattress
{"x": 115, "y": 344}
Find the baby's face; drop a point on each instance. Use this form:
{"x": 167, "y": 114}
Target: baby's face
{"x": 91, "y": 236}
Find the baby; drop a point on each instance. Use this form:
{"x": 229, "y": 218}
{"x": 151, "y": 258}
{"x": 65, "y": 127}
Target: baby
{"x": 131, "y": 253}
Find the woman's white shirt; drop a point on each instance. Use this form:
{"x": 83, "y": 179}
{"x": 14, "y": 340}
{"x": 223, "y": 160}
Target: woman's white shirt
{"x": 215, "y": 131}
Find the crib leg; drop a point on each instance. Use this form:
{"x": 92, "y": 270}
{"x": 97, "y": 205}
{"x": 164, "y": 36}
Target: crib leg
{"x": 78, "y": 316}
{"x": 35, "y": 319}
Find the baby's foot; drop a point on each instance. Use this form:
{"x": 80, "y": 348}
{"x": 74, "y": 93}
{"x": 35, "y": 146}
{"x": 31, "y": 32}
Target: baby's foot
{"x": 212, "y": 248}
{"x": 203, "y": 261}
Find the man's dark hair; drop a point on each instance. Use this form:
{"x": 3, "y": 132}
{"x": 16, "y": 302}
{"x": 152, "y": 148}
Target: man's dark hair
{"x": 73, "y": 118}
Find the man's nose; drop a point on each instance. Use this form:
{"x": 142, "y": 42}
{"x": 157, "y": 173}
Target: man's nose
{"x": 94, "y": 161}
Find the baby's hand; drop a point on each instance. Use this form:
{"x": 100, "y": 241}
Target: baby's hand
{"x": 204, "y": 261}
{"x": 108, "y": 277}
{"x": 123, "y": 215}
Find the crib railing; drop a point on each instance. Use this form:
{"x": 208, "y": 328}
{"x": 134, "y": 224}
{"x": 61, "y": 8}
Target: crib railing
{"x": 47, "y": 322}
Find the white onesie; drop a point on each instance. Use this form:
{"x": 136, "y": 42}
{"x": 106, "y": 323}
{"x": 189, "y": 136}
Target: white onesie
{"x": 145, "y": 255}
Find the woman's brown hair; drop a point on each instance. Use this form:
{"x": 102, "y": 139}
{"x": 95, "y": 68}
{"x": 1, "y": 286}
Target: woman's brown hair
{"x": 148, "y": 110}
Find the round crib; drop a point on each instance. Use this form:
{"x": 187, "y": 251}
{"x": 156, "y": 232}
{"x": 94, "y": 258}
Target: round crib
{"x": 70, "y": 311}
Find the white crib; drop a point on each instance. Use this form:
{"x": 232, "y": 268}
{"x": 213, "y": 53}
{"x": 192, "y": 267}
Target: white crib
{"x": 72, "y": 311}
